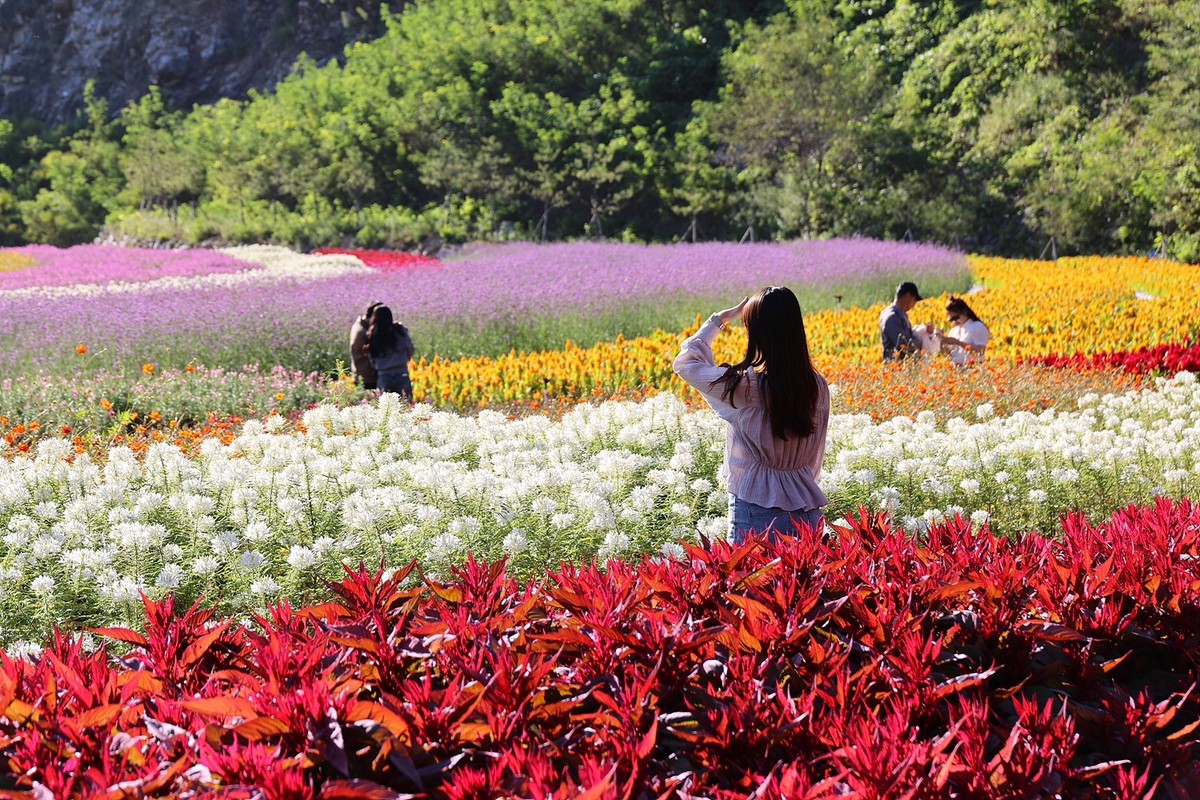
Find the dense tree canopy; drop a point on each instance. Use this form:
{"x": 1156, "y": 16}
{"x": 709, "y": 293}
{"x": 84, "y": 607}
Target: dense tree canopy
{"x": 992, "y": 123}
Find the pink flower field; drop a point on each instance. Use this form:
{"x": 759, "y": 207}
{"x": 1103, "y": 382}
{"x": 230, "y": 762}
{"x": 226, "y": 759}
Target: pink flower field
{"x": 90, "y": 263}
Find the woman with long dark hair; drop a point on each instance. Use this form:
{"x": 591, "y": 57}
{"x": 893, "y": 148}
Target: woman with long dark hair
{"x": 360, "y": 362}
{"x": 389, "y": 348}
{"x": 776, "y": 407}
{"x": 967, "y": 341}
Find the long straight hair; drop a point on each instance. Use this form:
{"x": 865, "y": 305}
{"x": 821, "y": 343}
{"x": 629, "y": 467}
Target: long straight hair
{"x": 777, "y": 344}
{"x": 382, "y": 336}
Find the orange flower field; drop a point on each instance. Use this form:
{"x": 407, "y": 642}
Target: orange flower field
{"x": 1031, "y": 307}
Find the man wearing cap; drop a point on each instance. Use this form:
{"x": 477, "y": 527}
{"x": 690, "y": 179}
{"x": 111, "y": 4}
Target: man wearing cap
{"x": 895, "y": 331}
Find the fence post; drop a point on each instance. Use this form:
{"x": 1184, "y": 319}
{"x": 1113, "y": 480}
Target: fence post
{"x": 1052, "y": 246}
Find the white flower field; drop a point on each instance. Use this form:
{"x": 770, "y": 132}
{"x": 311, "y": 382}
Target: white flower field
{"x": 275, "y": 512}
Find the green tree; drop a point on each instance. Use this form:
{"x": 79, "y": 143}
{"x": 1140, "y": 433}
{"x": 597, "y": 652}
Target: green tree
{"x": 611, "y": 151}
{"x": 698, "y": 184}
{"x": 793, "y": 97}
{"x": 154, "y": 160}
{"x": 10, "y": 215}
{"x": 83, "y": 181}
{"x": 541, "y": 129}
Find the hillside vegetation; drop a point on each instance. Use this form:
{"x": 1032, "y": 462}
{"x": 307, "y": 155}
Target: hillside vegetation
{"x": 994, "y": 125}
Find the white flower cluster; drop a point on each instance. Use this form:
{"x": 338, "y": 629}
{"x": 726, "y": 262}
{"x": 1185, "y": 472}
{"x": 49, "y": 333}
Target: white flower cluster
{"x": 282, "y": 262}
{"x": 1022, "y": 470}
{"x": 274, "y": 513}
{"x": 271, "y": 264}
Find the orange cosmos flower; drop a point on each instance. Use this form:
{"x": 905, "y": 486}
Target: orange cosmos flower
{"x": 81, "y": 349}
{"x": 105, "y": 404}
{"x": 148, "y": 368}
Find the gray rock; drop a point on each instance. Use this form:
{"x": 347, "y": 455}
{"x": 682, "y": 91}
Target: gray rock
{"x": 196, "y": 51}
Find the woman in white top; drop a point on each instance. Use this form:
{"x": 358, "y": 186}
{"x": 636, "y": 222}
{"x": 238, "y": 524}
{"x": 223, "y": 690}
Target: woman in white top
{"x": 776, "y": 409}
{"x": 967, "y": 340}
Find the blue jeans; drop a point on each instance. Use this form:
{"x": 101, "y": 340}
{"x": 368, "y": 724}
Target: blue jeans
{"x": 747, "y": 519}
{"x": 397, "y": 382}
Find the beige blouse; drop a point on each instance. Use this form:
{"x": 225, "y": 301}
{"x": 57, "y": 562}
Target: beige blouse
{"x": 758, "y": 468}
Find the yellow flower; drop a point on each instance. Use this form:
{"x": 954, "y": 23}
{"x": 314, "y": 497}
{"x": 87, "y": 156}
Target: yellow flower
{"x": 1031, "y": 308}
{"x": 148, "y": 368}
{"x": 10, "y": 261}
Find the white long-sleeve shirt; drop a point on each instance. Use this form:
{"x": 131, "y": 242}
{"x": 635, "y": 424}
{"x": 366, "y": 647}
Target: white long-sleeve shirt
{"x": 759, "y": 467}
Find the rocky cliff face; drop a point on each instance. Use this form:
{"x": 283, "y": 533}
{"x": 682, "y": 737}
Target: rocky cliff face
{"x": 196, "y": 51}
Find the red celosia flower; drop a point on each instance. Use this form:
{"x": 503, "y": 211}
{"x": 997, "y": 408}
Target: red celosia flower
{"x": 381, "y": 259}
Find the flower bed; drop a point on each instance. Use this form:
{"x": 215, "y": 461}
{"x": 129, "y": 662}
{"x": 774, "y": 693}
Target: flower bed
{"x": 291, "y": 309}
{"x": 139, "y": 406}
{"x": 1162, "y": 359}
{"x": 642, "y": 366}
{"x": 100, "y": 408}
{"x": 381, "y": 259}
{"x": 1023, "y": 469}
{"x": 11, "y": 261}
{"x": 1035, "y": 308}
{"x": 295, "y": 310}
{"x": 1022, "y": 304}
{"x": 274, "y": 510}
{"x": 863, "y": 665}
{"x": 99, "y": 264}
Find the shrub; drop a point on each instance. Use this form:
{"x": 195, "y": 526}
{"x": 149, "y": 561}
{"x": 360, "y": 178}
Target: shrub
{"x": 866, "y": 665}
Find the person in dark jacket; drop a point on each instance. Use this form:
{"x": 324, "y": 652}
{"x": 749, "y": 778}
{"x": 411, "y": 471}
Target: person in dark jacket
{"x": 896, "y": 333}
{"x": 390, "y": 348}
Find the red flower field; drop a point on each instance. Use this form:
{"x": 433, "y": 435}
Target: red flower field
{"x": 864, "y": 665}
{"x": 380, "y": 259}
{"x": 1164, "y": 358}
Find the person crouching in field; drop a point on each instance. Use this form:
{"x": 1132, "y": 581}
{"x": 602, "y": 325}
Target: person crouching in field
{"x": 966, "y": 342}
{"x": 896, "y": 333}
{"x": 360, "y": 362}
{"x": 776, "y": 409}
{"x": 390, "y": 348}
